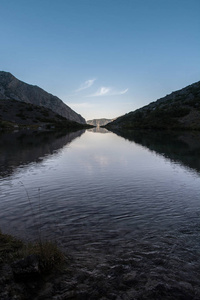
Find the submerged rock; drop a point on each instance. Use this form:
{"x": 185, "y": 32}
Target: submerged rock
{"x": 26, "y": 268}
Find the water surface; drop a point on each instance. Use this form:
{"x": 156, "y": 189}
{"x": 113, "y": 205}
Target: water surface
{"x": 136, "y": 195}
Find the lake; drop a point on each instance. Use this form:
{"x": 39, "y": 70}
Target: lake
{"x": 124, "y": 196}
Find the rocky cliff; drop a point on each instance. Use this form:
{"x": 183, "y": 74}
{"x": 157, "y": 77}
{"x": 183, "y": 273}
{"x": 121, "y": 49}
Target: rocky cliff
{"x": 12, "y": 88}
{"x": 99, "y": 122}
{"x": 179, "y": 110}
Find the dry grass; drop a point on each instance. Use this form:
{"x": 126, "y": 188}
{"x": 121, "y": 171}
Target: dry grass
{"x": 9, "y": 247}
{"x": 49, "y": 255}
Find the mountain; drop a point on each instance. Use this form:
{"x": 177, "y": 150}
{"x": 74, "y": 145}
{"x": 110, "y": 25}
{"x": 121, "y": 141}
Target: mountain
{"x": 99, "y": 122}
{"x": 179, "y": 110}
{"x": 12, "y": 88}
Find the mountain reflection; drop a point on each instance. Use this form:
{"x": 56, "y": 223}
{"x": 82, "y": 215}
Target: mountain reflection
{"x": 98, "y": 130}
{"x": 24, "y": 147}
{"x": 181, "y": 147}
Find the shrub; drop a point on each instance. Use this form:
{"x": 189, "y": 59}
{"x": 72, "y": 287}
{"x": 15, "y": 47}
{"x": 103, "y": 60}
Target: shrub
{"x": 21, "y": 115}
{"x": 30, "y": 108}
{"x": 45, "y": 113}
{"x": 50, "y": 256}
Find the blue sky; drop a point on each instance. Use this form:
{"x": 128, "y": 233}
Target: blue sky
{"x": 103, "y": 58}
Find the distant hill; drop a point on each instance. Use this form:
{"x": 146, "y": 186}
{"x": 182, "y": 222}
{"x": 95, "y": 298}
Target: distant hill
{"x": 12, "y": 88}
{"x": 14, "y": 114}
{"x": 99, "y": 122}
{"x": 179, "y": 110}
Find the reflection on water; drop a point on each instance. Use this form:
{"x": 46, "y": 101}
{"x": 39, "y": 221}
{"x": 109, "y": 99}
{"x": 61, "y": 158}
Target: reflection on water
{"x": 98, "y": 130}
{"x": 23, "y": 147}
{"x": 109, "y": 195}
{"x": 182, "y": 147}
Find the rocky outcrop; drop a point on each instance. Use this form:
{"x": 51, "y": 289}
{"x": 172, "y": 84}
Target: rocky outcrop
{"x": 12, "y": 88}
{"x": 179, "y": 110}
{"x": 99, "y": 122}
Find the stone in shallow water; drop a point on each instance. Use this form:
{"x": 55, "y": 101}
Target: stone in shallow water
{"x": 129, "y": 277}
{"x": 26, "y": 268}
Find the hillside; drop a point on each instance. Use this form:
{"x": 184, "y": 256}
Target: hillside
{"x": 14, "y": 114}
{"x": 179, "y": 110}
{"x": 99, "y": 122}
{"x": 12, "y": 88}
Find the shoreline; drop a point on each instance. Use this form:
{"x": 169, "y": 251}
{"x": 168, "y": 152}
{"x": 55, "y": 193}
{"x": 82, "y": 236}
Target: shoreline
{"x": 91, "y": 273}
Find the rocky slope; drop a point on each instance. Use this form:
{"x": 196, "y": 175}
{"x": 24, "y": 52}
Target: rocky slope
{"x": 12, "y": 88}
{"x": 99, "y": 122}
{"x": 179, "y": 110}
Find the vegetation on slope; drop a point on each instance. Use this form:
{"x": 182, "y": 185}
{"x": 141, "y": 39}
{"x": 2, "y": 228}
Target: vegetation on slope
{"x": 179, "y": 110}
{"x": 20, "y": 114}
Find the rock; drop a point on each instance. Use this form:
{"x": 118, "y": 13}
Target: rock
{"x": 129, "y": 278}
{"x": 99, "y": 122}
{"x": 26, "y": 268}
{"x": 186, "y": 285}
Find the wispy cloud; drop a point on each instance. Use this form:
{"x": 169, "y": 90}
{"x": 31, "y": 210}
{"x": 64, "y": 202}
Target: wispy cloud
{"x": 88, "y": 83}
{"x": 123, "y": 92}
{"x": 101, "y": 92}
{"x": 107, "y": 91}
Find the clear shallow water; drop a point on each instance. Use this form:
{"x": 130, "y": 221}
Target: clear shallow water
{"x": 140, "y": 192}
